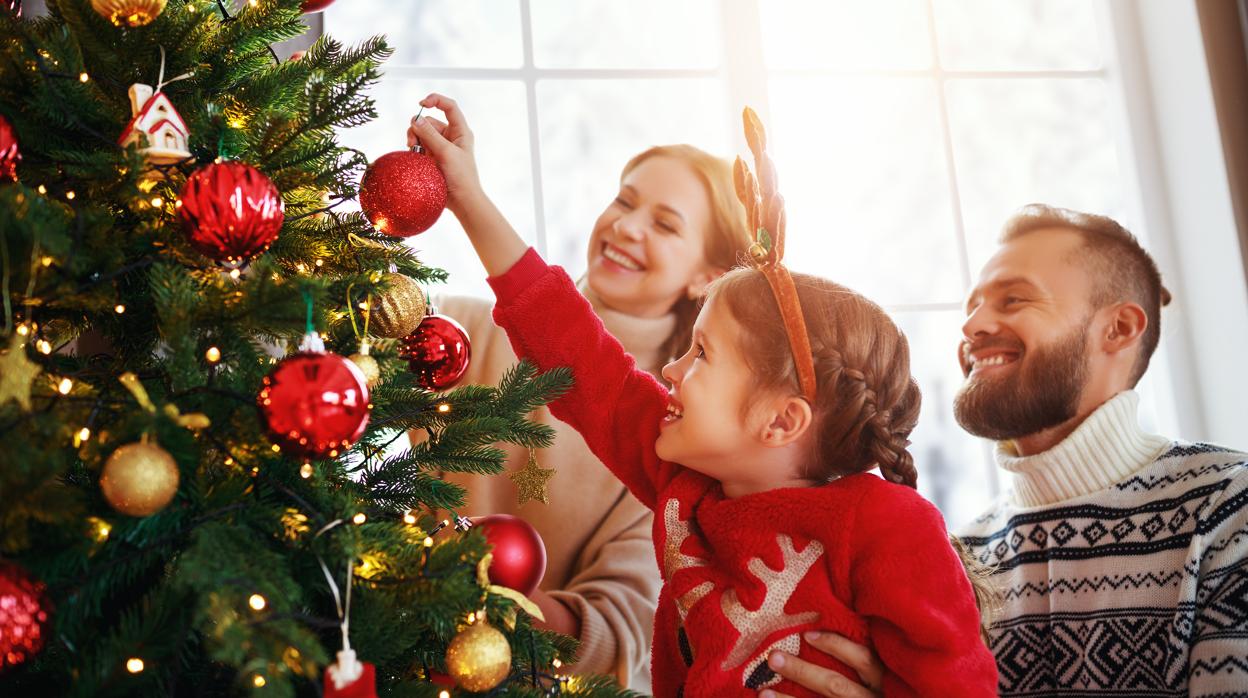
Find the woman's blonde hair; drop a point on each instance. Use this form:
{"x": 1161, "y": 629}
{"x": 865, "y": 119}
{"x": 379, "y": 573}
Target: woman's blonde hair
{"x": 726, "y": 241}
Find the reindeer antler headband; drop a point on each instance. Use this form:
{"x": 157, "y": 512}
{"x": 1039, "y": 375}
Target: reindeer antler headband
{"x": 764, "y": 207}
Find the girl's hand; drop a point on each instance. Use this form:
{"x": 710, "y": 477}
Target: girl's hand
{"x": 824, "y": 681}
{"x": 451, "y": 144}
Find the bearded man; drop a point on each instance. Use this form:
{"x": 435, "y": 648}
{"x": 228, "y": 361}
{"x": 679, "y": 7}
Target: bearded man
{"x": 1121, "y": 556}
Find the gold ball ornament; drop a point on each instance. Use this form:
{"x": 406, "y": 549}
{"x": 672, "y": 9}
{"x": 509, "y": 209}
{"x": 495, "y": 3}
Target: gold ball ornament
{"x": 479, "y": 657}
{"x": 129, "y": 13}
{"x": 139, "y": 479}
{"x": 396, "y": 312}
{"x": 368, "y": 366}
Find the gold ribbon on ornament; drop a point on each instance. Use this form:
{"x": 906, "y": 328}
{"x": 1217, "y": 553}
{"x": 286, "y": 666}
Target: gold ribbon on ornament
{"x": 194, "y": 421}
{"x": 483, "y": 579}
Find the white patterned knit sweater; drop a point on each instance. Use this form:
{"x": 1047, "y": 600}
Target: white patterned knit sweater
{"x": 1123, "y": 559}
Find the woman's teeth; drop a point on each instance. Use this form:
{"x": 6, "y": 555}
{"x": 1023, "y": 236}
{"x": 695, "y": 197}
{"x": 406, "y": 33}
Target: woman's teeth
{"x": 620, "y": 259}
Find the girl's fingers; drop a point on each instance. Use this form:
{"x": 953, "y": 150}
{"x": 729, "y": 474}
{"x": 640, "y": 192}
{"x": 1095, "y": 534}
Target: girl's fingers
{"x": 448, "y": 106}
{"x": 822, "y": 680}
{"x": 856, "y": 656}
{"x": 427, "y": 134}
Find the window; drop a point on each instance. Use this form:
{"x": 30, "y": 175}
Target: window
{"x": 905, "y": 132}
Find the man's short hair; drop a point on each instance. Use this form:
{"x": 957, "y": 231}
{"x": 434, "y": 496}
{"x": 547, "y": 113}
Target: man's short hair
{"x": 1120, "y": 268}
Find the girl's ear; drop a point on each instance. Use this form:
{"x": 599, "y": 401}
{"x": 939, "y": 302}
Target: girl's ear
{"x": 791, "y": 418}
{"x": 697, "y": 285}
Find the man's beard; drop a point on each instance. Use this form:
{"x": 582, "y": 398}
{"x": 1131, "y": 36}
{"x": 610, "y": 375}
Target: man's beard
{"x": 1043, "y": 392}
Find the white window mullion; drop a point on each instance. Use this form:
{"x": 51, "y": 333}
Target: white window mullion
{"x": 745, "y": 74}
{"x": 529, "y": 75}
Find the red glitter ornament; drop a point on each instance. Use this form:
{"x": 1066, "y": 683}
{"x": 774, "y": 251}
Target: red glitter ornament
{"x": 403, "y": 193}
{"x": 437, "y": 352}
{"x": 314, "y": 403}
{"x": 230, "y": 211}
{"x": 9, "y": 154}
{"x": 310, "y": 6}
{"x": 23, "y": 615}
{"x": 519, "y": 554}
{"x": 15, "y": 6}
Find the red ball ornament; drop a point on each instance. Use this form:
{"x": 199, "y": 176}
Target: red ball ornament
{"x": 310, "y": 6}
{"x": 9, "y": 154}
{"x": 315, "y": 404}
{"x": 15, "y": 6}
{"x": 437, "y": 352}
{"x": 23, "y": 615}
{"x": 519, "y": 553}
{"x": 403, "y": 193}
{"x": 230, "y": 211}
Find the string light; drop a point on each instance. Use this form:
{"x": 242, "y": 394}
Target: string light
{"x": 276, "y": 448}
{"x": 46, "y": 261}
{"x": 84, "y": 77}
{"x": 100, "y": 527}
{"x": 409, "y": 518}
{"x": 359, "y": 518}
{"x": 235, "y": 273}
{"x": 65, "y": 386}
{"x": 213, "y": 355}
{"x": 70, "y": 195}
{"x": 258, "y": 681}
{"x": 229, "y": 460}
{"x": 44, "y": 346}
{"x": 257, "y": 602}
{"x": 320, "y": 262}
{"x": 43, "y": 189}
{"x": 444, "y": 408}
{"x": 305, "y": 471}
{"x": 556, "y": 663}
{"x": 472, "y": 618}
{"x": 428, "y": 541}
{"x": 157, "y": 202}
{"x": 119, "y": 308}
{"x": 134, "y": 665}
{"x": 443, "y": 694}
{"x": 23, "y": 329}
{"x": 81, "y": 437}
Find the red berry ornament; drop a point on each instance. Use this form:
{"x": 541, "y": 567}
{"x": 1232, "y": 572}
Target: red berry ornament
{"x": 519, "y": 553}
{"x": 403, "y": 193}
{"x": 23, "y": 616}
{"x": 230, "y": 212}
{"x": 315, "y": 404}
{"x": 437, "y": 352}
{"x": 9, "y": 154}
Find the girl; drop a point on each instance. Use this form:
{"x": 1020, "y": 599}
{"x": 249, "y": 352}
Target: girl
{"x": 756, "y": 541}
{"x": 674, "y": 225}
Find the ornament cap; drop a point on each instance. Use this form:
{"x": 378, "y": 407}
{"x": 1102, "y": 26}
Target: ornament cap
{"x": 346, "y": 670}
{"x": 312, "y": 342}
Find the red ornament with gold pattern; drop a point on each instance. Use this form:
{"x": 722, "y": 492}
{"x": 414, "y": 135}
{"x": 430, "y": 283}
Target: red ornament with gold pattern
{"x": 9, "y": 154}
{"x": 23, "y": 615}
{"x": 230, "y": 212}
{"x": 315, "y": 404}
{"x": 403, "y": 193}
{"x": 438, "y": 351}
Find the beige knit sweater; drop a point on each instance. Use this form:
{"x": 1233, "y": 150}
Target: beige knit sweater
{"x": 598, "y": 537}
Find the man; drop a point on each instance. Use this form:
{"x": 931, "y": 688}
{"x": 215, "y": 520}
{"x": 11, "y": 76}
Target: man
{"x": 1121, "y": 557}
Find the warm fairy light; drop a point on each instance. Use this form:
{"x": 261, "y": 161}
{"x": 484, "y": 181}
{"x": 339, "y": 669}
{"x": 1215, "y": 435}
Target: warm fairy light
{"x": 258, "y": 681}
{"x": 157, "y": 202}
{"x": 257, "y": 602}
{"x": 305, "y": 471}
{"x": 119, "y": 308}
{"x": 255, "y": 470}
{"x": 46, "y": 261}
{"x": 44, "y": 346}
{"x": 99, "y": 528}
{"x": 359, "y": 518}
{"x": 82, "y": 435}
{"x": 472, "y": 618}
{"x": 234, "y": 274}
{"x": 84, "y": 77}
{"x": 229, "y": 460}
{"x": 363, "y": 305}
{"x": 444, "y": 408}
{"x": 409, "y": 518}
{"x": 134, "y": 665}
{"x": 428, "y": 541}
{"x": 43, "y": 189}
{"x": 320, "y": 262}
{"x": 443, "y": 694}
{"x": 276, "y": 448}
{"x": 23, "y": 329}
{"x": 70, "y": 195}
{"x": 556, "y": 663}
{"x": 213, "y": 355}
{"x": 325, "y": 336}
{"x": 301, "y": 268}
{"x": 65, "y": 386}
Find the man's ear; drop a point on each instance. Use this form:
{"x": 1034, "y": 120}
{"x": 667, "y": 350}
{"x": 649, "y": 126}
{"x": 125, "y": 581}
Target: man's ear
{"x": 1124, "y": 328}
{"x": 789, "y": 419}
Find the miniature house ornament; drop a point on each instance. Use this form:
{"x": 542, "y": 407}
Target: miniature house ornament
{"x": 156, "y": 127}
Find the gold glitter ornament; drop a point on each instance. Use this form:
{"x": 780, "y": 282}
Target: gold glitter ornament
{"x": 479, "y": 657}
{"x": 17, "y": 372}
{"x": 368, "y": 366}
{"x": 531, "y": 481}
{"x": 129, "y": 13}
{"x": 139, "y": 479}
{"x": 397, "y": 311}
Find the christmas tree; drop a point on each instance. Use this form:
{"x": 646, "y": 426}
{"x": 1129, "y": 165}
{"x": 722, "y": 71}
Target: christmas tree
{"x": 201, "y": 494}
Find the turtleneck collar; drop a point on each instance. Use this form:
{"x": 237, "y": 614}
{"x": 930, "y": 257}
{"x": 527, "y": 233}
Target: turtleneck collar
{"x": 1106, "y": 448}
{"x": 642, "y": 337}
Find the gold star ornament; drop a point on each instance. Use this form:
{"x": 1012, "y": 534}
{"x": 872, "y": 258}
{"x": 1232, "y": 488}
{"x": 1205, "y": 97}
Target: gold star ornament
{"x": 17, "y": 373}
{"x": 531, "y": 481}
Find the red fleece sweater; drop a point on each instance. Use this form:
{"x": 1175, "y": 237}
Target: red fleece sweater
{"x": 860, "y": 556}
